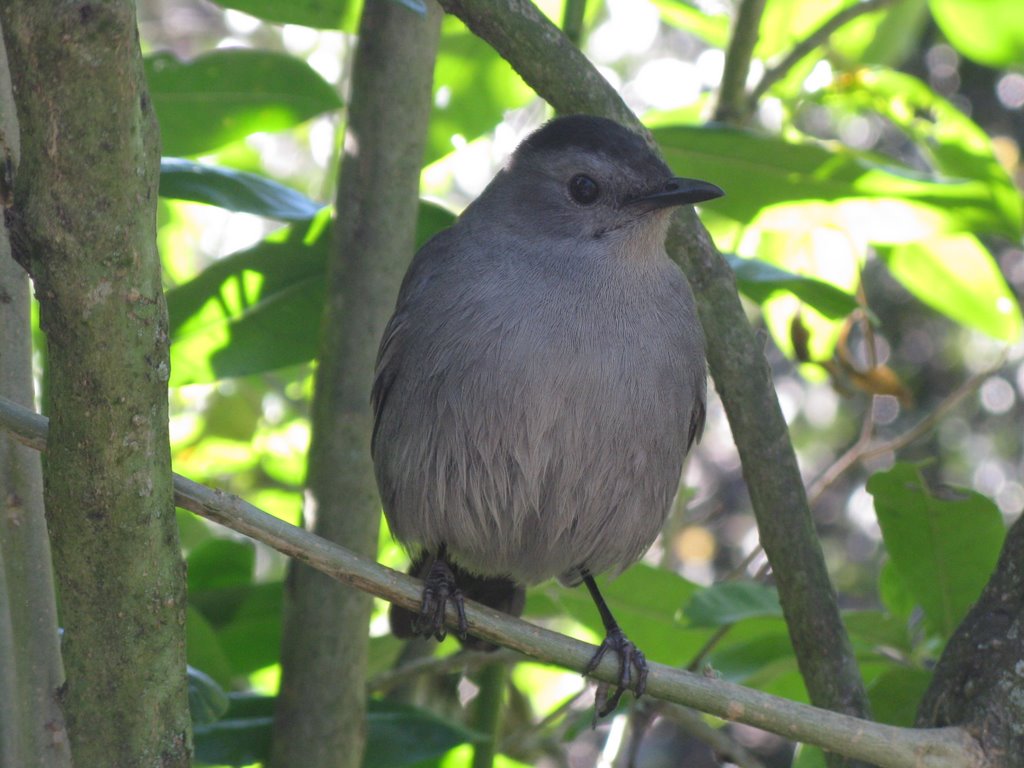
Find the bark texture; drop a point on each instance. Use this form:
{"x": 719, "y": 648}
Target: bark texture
{"x": 83, "y": 224}
{"x": 320, "y": 717}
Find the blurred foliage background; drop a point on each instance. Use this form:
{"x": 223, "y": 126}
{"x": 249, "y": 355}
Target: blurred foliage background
{"x": 872, "y": 216}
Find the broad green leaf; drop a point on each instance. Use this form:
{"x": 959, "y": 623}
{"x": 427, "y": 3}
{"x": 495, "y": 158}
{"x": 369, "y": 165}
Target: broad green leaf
{"x": 894, "y": 592}
{"x": 896, "y": 694}
{"x": 786, "y": 22}
{"x": 256, "y": 310}
{"x": 887, "y": 36}
{"x": 957, "y": 276}
{"x": 241, "y": 737}
{"x": 252, "y": 638}
{"x": 207, "y": 701}
{"x": 711, "y": 28}
{"x": 956, "y": 146}
{"x": 260, "y": 309}
{"x": 757, "y": 171}
{"x": 203, "y": 648}
{"x": 322, "y": 14}
{"x": 758, "y": 280}
{"x": 730, "y": 602}
{"x": 401, "y": 735}
{"x": 233, "y": 190}
{"x": 473, "y": 89}
{"x": 944, "y": 541}
{"x": 220, "y": 563}
{"x": 989, "y": 31}
{"x": 808, "y": 756}
{"x": 225, "y": 95}
{"x": 646, "y": 601}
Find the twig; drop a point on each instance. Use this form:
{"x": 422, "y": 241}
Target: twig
{"x": 809, "y": 43}
{"x": 732, "y": 98}
{"x": 885, "y": 745}
{"x": 462, "y": 661}
{"x": 865, "y": 450}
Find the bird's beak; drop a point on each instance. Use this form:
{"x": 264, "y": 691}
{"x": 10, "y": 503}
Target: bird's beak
{"x": 677, "y": 191}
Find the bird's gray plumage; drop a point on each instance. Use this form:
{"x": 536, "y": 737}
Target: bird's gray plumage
{"x": 543, "y": 375}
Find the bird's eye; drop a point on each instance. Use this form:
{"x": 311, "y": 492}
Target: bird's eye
{"x": 583, "y": 189}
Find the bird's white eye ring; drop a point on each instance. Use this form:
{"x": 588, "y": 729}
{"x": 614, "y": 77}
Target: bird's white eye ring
{"x": 583, "y": 189}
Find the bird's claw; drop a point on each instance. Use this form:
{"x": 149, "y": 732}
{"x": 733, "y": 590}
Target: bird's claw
{"x": 630, "y": 658}
{"x": 439, "y": 588}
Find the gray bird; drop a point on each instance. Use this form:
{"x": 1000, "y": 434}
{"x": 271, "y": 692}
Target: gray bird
{"x": 541, "y": 381}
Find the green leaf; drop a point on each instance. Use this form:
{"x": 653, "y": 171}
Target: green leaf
{"x": 398, "y": 735}
{"x": 956, "y": 146}
{"x": 646, "y": 601}
{"x": 203, "y": 647}
{"x": 401, "y": 735}
{"x": 207, "y": 701}
{"x": 759, "y": 280}
{"x": 957, "y": 276}
{"x": 896, "y": 694}
{"x": 944, "y": 541}
{"x": 252, "y": 637}
{"x": 260, "y": 309}
{"x": 220, "y": 563}
{"x": 241, "y": 737}
{"x": 730, "y": 602}
{"x": 256, "y": 310}
{"x": 989, "y": 31}
{"x": 225, "y": 95}
{"x": 711, "y": 28}
{"x": 887, "y": 36}
{"x": 473, "y": 89}
{"x": 233, "y": 190}
{"x": 757, "y": 171}
{"x": 322, "y": 14}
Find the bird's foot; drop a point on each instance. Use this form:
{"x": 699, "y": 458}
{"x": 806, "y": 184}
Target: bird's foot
{"x": 630, "y": 658}
{"x": 440, "y": 588}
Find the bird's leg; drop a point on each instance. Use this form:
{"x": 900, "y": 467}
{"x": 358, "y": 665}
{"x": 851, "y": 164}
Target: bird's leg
{"x": 630, "y": 657}
{"x": 439, "y": 587}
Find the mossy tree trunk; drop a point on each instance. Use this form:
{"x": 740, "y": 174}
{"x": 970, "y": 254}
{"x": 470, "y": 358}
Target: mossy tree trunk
{"x": 83, "y": 224}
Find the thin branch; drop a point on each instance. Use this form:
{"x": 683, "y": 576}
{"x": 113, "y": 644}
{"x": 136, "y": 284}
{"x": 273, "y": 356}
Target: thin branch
{"x": 806, "y": 46}
{"x": 732, "y": 97}
{"x": 865, "y": 449}
{"x": 884, "y": 745}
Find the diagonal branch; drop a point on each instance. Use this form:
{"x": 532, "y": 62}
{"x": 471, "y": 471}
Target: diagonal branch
{"x": 884, "y": 745}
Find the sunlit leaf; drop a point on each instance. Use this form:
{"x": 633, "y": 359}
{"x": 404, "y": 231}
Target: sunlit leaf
{"x": 886, "y": 36}
{"x": 786, "y": 22}
{"x": 646, "y": 601}
{"x": 260, "y": 309}
{"x": 711, "y": 28}
{"x": 757, "y": 171}
{"x": 473, "y": 89}
{"x": 227, "y": 94}
{"x": 233, "y": 190}
{"x": 944, "y": 541}
{"x": 758, "y": 280}
{"x": 324, "y": 14}
{"x": 955, "y": 145}
{"x": 957, "y": 276}
{"x": 989, "y": 31}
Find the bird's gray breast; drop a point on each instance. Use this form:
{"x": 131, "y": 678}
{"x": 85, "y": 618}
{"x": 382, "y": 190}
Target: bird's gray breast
{"x": 535, "y": 424}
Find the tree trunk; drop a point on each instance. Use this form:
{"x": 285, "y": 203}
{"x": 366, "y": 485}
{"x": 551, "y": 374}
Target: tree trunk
{"x": 320, "y": 718}
{"x": 83, "y": 218}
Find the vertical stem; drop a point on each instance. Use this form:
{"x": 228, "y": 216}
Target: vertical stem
{"x": 487, "y": 712}
{"x": 732, "y": 95}
{"x": 320, "y": 717}
{"x": 572, "y": 20}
